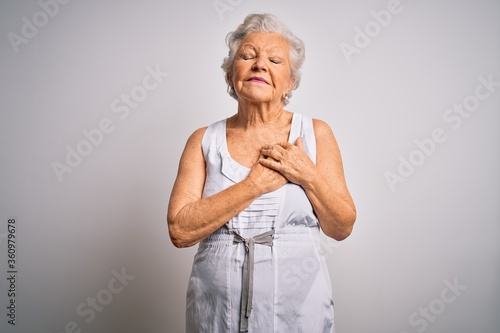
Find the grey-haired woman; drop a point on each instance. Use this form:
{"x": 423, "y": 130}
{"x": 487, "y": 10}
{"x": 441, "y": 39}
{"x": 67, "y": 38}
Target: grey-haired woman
{"x": 254, "y": 190}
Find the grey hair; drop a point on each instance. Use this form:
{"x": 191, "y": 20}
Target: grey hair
{"x": 264, "y": 23}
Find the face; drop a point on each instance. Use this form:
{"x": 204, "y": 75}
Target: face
{"x": 261, "y": 69}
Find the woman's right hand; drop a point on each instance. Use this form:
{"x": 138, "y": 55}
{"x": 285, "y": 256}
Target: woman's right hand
{"x": 266, "y": 179}
{"x": 192, "y": 217}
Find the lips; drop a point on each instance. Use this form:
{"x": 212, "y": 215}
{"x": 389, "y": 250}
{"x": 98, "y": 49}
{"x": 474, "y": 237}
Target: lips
{"x": 257, "y": 79}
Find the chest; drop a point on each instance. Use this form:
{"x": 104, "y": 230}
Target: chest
{"x": 244, "y": 148}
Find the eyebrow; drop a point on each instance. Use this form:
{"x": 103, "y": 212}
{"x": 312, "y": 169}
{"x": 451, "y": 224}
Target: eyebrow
{"x": 271, "y": 49}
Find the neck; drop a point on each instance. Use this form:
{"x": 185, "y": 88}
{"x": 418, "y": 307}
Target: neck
{"x": 258, "y": 114}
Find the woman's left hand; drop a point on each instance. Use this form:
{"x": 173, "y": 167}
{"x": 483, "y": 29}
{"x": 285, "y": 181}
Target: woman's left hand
{"x": 289, "y": 160}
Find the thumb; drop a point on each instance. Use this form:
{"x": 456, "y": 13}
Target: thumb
{"x": 299, "y": 143}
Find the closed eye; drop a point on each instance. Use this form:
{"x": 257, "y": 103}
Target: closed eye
{"x": 246, "y": 56}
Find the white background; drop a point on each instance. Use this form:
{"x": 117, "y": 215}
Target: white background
{"x": 440, "y": 225}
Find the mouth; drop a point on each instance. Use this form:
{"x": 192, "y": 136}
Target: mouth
{"x": 257, "y": 79}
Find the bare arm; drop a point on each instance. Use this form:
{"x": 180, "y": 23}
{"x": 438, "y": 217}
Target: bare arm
{"x": 192, "y": 218}
{"x": 328, "y": 191}
{"x": 323, "y": 182}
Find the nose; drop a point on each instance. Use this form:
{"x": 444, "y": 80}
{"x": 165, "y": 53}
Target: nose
{"x": 259, "y": 64}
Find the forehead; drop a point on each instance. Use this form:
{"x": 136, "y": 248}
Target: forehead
{"x": 265, "y": 41}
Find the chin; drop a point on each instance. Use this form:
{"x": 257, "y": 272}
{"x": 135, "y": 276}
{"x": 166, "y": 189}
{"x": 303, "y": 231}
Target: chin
{"x": 256, "y": 98}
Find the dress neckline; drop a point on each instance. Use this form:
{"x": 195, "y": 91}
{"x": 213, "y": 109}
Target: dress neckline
{"x": 224, "y": 147}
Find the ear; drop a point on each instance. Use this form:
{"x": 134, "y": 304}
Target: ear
{"x": 229, "y": 79}
{"x": 291, "y": 84}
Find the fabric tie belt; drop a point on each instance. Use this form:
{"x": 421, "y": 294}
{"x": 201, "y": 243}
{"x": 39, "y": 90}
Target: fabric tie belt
{"x": 265, "y": 238}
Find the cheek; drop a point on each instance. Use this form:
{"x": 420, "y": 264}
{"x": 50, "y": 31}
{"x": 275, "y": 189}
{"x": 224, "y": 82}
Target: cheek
{"x": 283, "y": 80}
{"x": 238, "y": 75}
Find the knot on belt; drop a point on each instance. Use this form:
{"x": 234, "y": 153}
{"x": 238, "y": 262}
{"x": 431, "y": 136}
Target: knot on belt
{"x": 265, "y": 238}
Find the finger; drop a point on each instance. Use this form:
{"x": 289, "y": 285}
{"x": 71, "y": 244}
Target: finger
{"x": 280, "y": 146}
{"x": 285, "y": 145}
{"x": 270, "y": 163}
{"x": 274, "y": 151}
{"x": 271, "y": 154}
{"x": 299, "y": 142}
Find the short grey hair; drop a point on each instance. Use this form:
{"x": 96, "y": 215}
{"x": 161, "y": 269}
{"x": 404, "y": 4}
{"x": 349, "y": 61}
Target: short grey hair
{"x": 264, "y": 23}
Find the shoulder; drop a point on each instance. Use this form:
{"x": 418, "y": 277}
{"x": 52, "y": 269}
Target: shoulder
{"x": 204, "y": 138}
{"x": 200, "y": 133}
{"x": 323, "y": 132}
{"x": 321, "y": 128}
{"x": 196, "y": 137}
{"x": 325, "y": 139}
{"x": 193, "y": 147}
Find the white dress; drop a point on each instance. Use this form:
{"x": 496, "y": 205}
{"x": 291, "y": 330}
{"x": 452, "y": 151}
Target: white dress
{"x": 263, "y": 271}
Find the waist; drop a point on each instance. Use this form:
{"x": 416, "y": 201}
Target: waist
{"x": 224, "y": 236}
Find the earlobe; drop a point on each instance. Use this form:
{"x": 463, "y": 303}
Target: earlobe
{"x": 230, "y": 85}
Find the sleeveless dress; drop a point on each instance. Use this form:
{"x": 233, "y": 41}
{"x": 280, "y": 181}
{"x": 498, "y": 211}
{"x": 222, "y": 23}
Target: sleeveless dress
{"x": 264, "y": 270}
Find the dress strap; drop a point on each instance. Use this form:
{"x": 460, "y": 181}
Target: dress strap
{"x": 302, "y": 126}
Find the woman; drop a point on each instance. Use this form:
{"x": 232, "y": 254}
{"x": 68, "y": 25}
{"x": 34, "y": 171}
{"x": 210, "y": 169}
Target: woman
{"x": 254, "y": 190}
